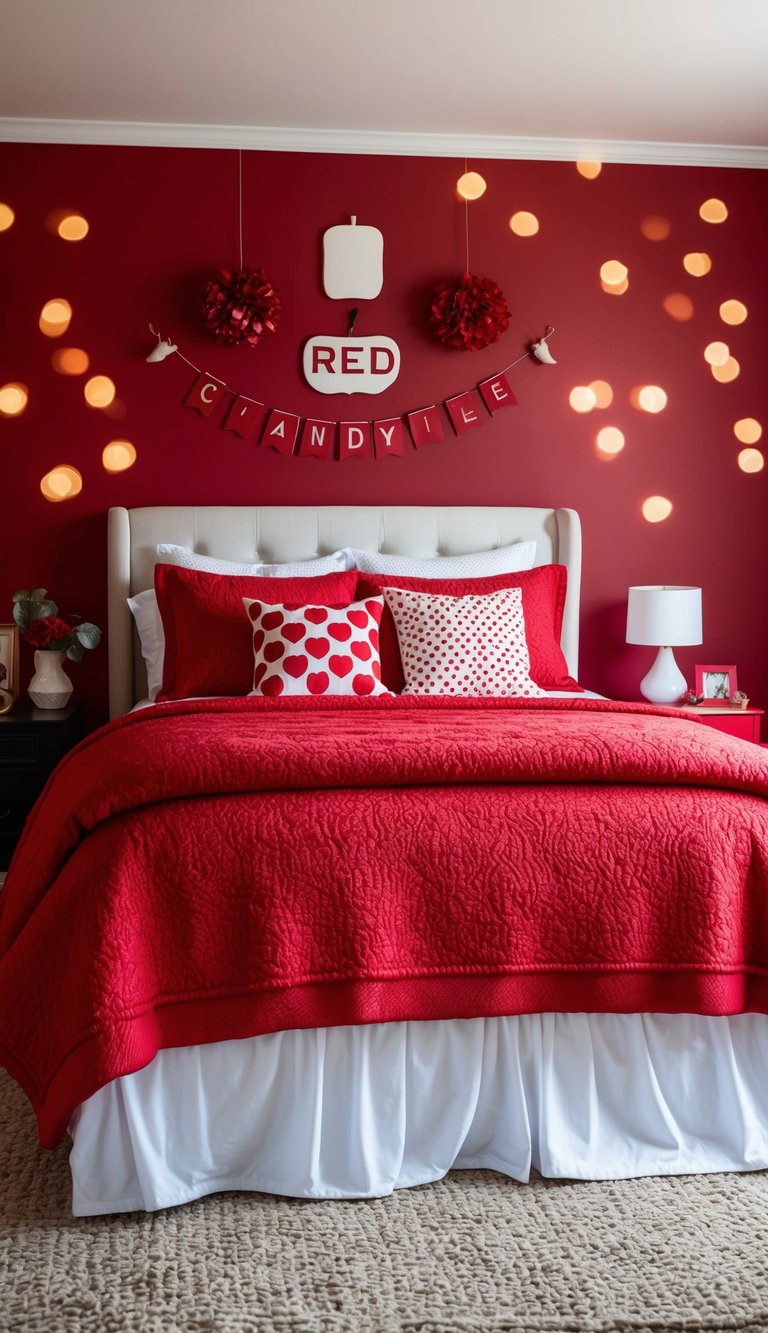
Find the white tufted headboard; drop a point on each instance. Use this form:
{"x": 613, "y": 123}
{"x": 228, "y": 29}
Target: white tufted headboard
{"x": 281, "y": 532}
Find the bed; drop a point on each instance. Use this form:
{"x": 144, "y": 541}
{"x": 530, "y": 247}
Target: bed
{"x": 330, "y": 947}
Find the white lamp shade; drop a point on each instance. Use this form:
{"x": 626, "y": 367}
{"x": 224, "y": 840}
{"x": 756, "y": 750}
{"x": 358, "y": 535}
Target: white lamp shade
{"x": 664, "y": 615}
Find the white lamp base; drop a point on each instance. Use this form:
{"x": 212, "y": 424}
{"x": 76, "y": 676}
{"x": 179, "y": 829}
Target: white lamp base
{"x": 665, "y": 682}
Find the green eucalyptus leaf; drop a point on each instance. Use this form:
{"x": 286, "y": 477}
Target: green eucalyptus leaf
{"x": 23, "y": 595}
{"x": 40, "y": 609}
{"x": 38, "y": 594}
{"x": 76, "y": 651}
{"x": 20, "y": 616}
{"x": 88, "y": 634}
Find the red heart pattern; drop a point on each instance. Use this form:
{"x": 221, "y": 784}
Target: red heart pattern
{"x": 472, "y": 645}
{"x": 342, "y": 659}
{"x": 293, "y": 633}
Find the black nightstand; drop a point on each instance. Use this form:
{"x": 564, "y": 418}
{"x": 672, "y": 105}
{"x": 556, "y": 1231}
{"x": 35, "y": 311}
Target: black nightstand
{"x": 32, "y": 741}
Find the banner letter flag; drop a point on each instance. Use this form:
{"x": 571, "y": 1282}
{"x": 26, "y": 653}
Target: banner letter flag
{"x": 388, "y": 438}
{"x": 204, "y": 394}
{"x": 426, "y": 427}
{"x": 354, "y": 439}
{"x": 317, "y": 439}
{"x": 244, "y": 416}
{"x": 464, "y": 411}
{"x": 497, "y": 393}
{"x": 281, "y": 431}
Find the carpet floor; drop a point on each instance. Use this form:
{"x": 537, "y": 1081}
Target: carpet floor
{"x": 474, "y": 1253}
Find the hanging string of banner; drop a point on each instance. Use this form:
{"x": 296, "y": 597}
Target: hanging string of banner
{"x": 311, "y": 437}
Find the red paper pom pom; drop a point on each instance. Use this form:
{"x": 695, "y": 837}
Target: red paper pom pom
{"x": 240, "y": 305}
{"x": 469, "y": 314}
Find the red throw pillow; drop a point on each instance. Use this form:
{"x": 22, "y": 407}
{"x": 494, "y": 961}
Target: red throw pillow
{"x": 207, "y": 633}
{"x": 543, "y": 592}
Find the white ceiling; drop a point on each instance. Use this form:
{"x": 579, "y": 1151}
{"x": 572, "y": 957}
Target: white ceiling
{"x": 659, "y": 80}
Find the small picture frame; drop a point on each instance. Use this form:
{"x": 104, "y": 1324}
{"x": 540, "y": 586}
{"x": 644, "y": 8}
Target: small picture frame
{"x": 9, "y": 666}
{"x": 717, "y": 684}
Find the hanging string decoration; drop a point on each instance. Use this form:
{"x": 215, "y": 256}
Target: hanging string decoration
{"x": 469, "y": 314}
{"x": 240, "y": 306}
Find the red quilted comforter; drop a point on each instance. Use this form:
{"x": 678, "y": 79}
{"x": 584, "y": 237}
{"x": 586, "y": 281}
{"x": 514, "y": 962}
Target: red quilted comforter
{"x": 209, "y": 870}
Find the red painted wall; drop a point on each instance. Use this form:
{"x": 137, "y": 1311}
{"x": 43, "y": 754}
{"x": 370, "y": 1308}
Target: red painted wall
{"x": 162, "y": 221}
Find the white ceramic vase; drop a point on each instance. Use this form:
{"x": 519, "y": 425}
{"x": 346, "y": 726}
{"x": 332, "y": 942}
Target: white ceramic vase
{"x": 50, "y": 687}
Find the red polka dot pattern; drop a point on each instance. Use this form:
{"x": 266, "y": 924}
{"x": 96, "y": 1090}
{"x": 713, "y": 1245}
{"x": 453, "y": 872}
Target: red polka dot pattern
{"x": 316, "y": 649}
{"x": 463, "y": 645}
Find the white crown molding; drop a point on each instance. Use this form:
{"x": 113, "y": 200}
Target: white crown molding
{"x": 289, "y": 140}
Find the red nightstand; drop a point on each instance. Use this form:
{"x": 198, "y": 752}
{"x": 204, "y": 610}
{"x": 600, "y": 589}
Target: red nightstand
{"x": 743, "y": 722}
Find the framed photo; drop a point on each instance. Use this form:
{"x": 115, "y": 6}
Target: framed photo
{"x": 9, "y": 666}
{"x": 716, "y": 683}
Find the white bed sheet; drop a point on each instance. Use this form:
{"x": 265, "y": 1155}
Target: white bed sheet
{"x": 356, "y": 1112}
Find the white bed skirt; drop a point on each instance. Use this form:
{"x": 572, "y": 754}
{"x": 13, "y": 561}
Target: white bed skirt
{"x": 356, "y": 1112}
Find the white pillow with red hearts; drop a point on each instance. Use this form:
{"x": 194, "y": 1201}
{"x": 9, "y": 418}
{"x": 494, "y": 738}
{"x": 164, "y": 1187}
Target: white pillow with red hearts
{"x": 316, "y": 650}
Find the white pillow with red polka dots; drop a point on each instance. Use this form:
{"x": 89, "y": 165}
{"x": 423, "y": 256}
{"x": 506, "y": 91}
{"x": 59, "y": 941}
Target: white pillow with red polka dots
{"x": 316, "y": 650}
{"x": 463, "y": 645}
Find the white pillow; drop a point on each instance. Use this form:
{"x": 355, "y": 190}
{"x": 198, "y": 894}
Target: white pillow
{"x": 502, "y": 560}
{"x": 149, "y": 624}
{"x": 186, "y": 558}
{"x": 472, "y": 645}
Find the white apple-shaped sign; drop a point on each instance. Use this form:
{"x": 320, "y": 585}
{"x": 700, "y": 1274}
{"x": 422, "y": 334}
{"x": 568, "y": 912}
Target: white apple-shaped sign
{"x": 351, "y": 365}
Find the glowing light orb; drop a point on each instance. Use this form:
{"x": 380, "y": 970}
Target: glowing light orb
{"x": 610, "y": 441}
{"x": 118, "y": 455}
{"x": 61, "y": 483}
{"x": 748, "y": 430}
{"x": 524, "y": 224}
{"x": 13, "y": 399}
{"x": 655, "y": 228}
{"x": 678, "y": 306}
{"x": 471, "y": 185}
{"x": 7, "y": 217}
{"x": 656, "y": 508}
{"x": 733, "y": 312}
{"x": 716, "y": 354}
{"x": 713, "y": 210}
{"x": 613, "y": 272}
{"x": 54, "y": 317}
{"x": 70, "y": 361}
{"x": 730, "y": 371}
{"x": 73, "y": 227}
{"x": 697, "y": 263}
{"x": 615, "y": 288}
{"x": 603, "y": 393}
{"x": 582, "y": 398}
{"x": 99, "y": 391}
{"x": 589, "y": 170}
{"x": 651, "y": 398}
{"x": 751, "y": 460}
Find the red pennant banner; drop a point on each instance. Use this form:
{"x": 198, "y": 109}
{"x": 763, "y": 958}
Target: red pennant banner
{"x": 357, "y": 439}
{"x": 281, "y": 430}
{"x": 317, "y": 439}
{"x": 388, "y": 438}
{"x": 426, "y": 427}
{"x": 464, "y": 411}
{"x": 354, "y": 439}
{"x": 497, "y": 393}
{"x": 204, "y": 394}
{"x": 244, "y": 416}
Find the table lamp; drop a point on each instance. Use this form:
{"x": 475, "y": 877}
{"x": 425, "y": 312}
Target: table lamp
{"x": 666, "y": 617}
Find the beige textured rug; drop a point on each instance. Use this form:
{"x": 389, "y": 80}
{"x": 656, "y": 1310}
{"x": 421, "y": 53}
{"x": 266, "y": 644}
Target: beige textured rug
{"x": 475, "y": 1253}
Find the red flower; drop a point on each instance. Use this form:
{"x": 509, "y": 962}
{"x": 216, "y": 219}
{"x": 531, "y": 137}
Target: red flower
{"x": 47, "y": 630}
{"x": 240, "y": 305}
{"x": 469, "y": 314}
